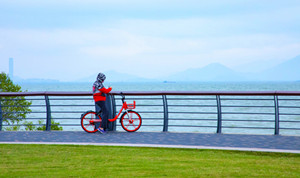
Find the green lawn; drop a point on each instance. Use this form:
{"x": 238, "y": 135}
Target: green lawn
{"x": 109, "y": 161}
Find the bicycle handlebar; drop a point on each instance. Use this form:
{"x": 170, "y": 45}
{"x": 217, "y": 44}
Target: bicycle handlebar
{"x": 123, "y": 97}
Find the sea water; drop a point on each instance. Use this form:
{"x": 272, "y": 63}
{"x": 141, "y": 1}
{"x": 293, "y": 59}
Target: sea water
{"x": 167, "y": 86}
{"x": 179, "y": 119}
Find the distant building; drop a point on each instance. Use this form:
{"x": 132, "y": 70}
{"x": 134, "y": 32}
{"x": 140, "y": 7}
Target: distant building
{"x": 11, "y": 69}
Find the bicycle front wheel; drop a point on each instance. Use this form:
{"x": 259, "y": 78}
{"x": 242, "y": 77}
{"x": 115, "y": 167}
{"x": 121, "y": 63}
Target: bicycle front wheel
{"x": 131, "y": 121}
{"x": 88, "y": 121}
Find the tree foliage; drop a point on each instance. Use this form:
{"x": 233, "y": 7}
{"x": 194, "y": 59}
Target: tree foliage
{"x": 14, "y": 109}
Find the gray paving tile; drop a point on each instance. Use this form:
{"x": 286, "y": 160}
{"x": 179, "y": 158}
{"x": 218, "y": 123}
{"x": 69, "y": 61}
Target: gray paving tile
{"x": 278, "y": 142}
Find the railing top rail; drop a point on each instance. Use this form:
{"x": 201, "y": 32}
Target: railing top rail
{"x": 44, "y": 93}
{"x": 143, "y": 93}
{"x": 210, "y": 93}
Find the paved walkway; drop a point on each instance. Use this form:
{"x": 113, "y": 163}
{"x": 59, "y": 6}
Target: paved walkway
{"x": 269, "y": 143}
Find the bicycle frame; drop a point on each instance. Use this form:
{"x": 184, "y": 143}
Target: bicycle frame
{"x": 125, "y": 107}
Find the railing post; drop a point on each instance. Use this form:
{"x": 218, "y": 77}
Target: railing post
{"x": 166, "y": 113}
{"x": 114, "y": 111}
{"x": 97, "y": 109}
{"x": 48, "y": 111}
{"x": 110, "y": 103}
{"x": 219, "y": 124}
{"x": 276, "y": 131}
{"x": 1, "y": 119}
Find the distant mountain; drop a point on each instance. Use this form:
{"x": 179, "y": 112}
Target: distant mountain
{"x": 286, "y": 71}
{"x": 211, "y": 72}
{"x": 113, "y": 76}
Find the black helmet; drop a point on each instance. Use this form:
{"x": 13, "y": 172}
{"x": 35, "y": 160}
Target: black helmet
{"x": 101, "y": 77}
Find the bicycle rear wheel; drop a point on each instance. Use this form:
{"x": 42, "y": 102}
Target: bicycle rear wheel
{"x": 131, "y": 121}
{"x": 88, "y": 121}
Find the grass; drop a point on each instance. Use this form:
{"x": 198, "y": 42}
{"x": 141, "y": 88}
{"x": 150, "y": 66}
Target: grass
{"x": 106, "y": 161}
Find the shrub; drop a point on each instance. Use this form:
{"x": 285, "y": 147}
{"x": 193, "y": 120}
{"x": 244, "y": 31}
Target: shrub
{"x": 14, "y": 109}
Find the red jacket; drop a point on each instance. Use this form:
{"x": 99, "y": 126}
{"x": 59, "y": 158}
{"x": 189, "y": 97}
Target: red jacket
{"x": 100, "y": 96}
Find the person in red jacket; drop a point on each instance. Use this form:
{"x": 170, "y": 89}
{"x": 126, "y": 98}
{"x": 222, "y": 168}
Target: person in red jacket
{"x": 99, "y": 95}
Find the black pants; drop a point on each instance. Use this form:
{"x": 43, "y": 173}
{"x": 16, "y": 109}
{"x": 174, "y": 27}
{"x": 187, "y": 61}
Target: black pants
{"x": 104, "y": 114}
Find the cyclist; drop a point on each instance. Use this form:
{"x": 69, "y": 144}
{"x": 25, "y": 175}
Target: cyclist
{"x": 99, "y": 95}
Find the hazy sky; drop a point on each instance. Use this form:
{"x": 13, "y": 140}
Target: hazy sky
{"x": 72, "y": 39}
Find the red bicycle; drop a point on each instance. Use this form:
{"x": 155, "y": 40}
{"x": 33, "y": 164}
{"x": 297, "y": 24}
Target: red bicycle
{"x": 130, "y": 120}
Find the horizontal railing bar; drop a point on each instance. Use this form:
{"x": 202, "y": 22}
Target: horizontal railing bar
{"x": 138, "y": 99}
{"x": 193, "y": 119}
{"x": 149, "y": 125}
{"x": 34, "y": 106}
{"x": 67, "y": 112}
{"x": 61, "y": 105}
{"x": 26, "y": 99}
{"x": 65, "y": 118}
{"x": 130, "y": 102}
{"x": 150, "y": 111}
{"x": 194, "y": 99}
{"x": 192, "y": 126}
{"x": 192, "y": 105}
{"x": 42, "y": 125}
{"x": 149, "y": 118}
{"x": 231, "y": 127}
{"x": 246, "y": 99}
{"x": 32, "y": 118}
{"x": 288, "y": 99}
{"x": 289, "y": 107}
{"x": 148, "y": 93}
{"x": 15, "y": 106}
{"x": 288, "y": 114}
{"x": 242, "y": 106}
{"x": 192, "y": 112}
{"x": 3, "y": 112}
{"x": 290, "y": 128}
{"x": 23, "y": 125}
{"x": 240, "y": 120}
{"x": 142, "y": 105}
{"x": 80, "y": 99}
{"x": 26, "y": 119}
{"x": 43, "y": 93}
{"x": 289, "y": 121}
{"x": 248, "y": 113}
{"x": 67, "y": 124}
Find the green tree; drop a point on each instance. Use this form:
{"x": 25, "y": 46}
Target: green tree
{"x": 14, "y": 109}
